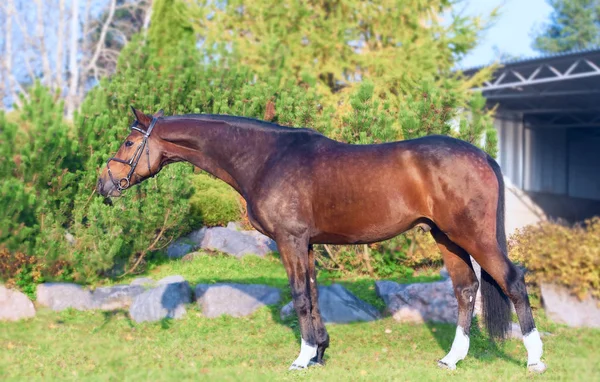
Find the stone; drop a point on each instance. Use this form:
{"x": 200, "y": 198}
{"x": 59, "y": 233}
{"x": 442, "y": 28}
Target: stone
{"x": 287, "y": 311}
{"x": 166, "y": 301}
{"x": 60, "y": 296}
{"x": 236, "y": 243}
{"x": 564, "y": 308}
{"x": 420, "y": 302}
{"x": 14, "y": 305}
{"x": 143, "y": 281}
{"x": 116, "y": 297}
{"x": 234, "y": 226}
{"x": 338, "y": 306}
{"x": 444, "y": 273}
{"x": 236, "y": 300}
{"x": 193, "y": 255}
{"x": 171, "y": 280}
{"x": 186, "y": 244}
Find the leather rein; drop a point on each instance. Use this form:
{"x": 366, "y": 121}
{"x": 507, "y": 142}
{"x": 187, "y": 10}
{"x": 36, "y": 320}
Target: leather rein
{"x": 124, "y": 183}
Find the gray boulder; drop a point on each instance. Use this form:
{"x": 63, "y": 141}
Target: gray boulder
{"x": 143, "y": 281}
{"x": 14, "y": 305}
{"x": 236, "y": 300}
{"x": 116, "y": 297}
{"x": 237, "y": 243}
{"x": 562, "y": 307}
{"x": 338, "y": 305}
{"x": 419, "y": 302}
{"x": 60, "y": 296}
{"x": 186, "y": 244}
{"x": 171, "y": 280}
{"x": 167, "y": 300}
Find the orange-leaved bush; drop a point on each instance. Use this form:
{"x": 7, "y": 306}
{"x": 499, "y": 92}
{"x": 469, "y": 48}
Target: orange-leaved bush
{"x": 555, "y": 253}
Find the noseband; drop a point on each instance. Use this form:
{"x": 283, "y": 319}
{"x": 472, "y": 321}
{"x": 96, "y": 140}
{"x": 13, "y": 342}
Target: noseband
{"x": 124, "y": 183}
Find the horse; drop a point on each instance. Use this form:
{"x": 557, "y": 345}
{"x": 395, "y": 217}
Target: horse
{"x": 303, "y": 188}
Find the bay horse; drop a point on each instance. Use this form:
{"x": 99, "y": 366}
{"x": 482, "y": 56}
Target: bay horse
{"x": 303, "y": 188}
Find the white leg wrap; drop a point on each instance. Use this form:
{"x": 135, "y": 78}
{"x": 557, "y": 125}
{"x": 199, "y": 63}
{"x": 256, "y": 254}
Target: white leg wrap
{"x": 459, "y": 350}
{"x": 307, "y": 353}
{"x": 533, "y": 344}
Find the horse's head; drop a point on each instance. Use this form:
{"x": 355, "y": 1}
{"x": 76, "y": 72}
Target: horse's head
{"x": 137, "y": 159}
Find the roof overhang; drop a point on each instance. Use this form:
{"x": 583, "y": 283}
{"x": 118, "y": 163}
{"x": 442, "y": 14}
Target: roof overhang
{"x": 553, "y": 91}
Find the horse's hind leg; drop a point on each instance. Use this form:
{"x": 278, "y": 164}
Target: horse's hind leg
{"x": 498, "y": 271}
{"x": 464, "y": 281}
{"x": 322, "y": 337}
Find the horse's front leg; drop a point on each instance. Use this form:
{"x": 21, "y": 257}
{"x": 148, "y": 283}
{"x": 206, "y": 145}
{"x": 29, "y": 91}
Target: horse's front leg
{"x": 320, "y": 330}
{"x": 294, "y": 255}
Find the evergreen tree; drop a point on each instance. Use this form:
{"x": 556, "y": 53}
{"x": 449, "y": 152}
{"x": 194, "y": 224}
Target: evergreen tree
{"x": 402, "y": 48}
{"x": 574, "y": 24}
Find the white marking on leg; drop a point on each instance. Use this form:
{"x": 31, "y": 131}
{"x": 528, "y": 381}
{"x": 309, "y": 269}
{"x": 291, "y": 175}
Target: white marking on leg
{"x": 534, "y": 346}
{"x": 307, "y": 352}
{"x": 459, "y": 350}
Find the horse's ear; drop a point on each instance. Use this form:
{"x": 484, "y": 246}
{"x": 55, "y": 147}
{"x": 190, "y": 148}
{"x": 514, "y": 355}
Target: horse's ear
{"x": 159, "y": 113}
{"x": 140, "y": 117}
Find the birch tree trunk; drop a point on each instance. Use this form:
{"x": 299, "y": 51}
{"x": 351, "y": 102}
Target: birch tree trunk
{"x": 73, "y": 65}
{"x": 60, "y": 53}
{"x": 47, "y": 70}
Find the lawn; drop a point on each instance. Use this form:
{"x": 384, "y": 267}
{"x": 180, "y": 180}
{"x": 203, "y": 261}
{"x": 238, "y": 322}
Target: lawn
{"x": 95, "y": 345}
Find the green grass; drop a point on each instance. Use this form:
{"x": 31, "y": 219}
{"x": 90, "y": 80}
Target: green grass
{"x": 94, "y": 345}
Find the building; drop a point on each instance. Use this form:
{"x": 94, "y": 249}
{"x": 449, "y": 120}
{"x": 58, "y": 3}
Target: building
{"x": 548, "y": 122}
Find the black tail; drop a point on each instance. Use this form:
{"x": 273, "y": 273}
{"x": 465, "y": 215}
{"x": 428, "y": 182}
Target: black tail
{"x": 496, "y": 305}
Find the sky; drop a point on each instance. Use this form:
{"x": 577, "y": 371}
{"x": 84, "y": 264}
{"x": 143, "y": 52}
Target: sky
{"x": 511, "y": 33}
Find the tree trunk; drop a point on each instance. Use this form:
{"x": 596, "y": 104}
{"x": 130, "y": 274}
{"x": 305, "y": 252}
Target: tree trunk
{"x": 47, "y": 70}
{"x": 73, "y": 65}
{"x": 60, "y": 52}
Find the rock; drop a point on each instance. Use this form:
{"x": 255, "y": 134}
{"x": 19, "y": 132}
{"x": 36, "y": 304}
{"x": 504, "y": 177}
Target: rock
{"x": 236, "y": 300}
{"x": 263, "y": 241}
{"x": 14, "y": 305}
{"x": 339, "y": 306}
{"x": 236, "y": 243}
{"x": 60, "y": 296}
{"x": 193, "y": 255}
{"x": 171, "y": 280}
{"x": 116, "y": 297}
{"x": 165, "y": 301}
{"x": 143, "y": 281}
{"x": 562, "y": 307}
{"x": 186, "y": 244}
{"x": 70, "y": 238}
{"x": 420, "y": 302}
{"x": 515, "y": 332}
{"x": 234, "y": 226}
{"x": 444, "y": 273}
{"x": 287, "y": 311}
{"x": 179, "y": 248}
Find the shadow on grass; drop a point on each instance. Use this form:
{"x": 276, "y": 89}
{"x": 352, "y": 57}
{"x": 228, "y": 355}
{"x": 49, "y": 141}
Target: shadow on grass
{"x": 482, "y": 348}
{"x": 109, "y": 315}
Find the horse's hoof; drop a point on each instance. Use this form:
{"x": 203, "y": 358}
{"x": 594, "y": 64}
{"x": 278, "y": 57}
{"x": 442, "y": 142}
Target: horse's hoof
{"x": 314, "y": 363}
{"x": 539, "y": 367}
{"x": 296, "y": 366}
{"x": 444, "y": 365}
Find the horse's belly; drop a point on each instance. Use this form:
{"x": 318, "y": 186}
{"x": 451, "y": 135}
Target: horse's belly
{"x": 358, "y": 224}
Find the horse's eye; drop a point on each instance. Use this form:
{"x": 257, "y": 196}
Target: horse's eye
{"x": 128, "y": 143}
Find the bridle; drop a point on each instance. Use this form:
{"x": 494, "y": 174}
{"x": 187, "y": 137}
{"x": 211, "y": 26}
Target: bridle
{"x": 124, "y": 183}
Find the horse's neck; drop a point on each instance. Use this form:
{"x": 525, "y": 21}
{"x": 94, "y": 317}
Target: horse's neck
{"x": 231, "y": 153}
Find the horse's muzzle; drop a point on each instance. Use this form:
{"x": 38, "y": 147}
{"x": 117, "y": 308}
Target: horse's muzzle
{"x": 107, "y": 188}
